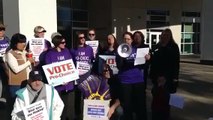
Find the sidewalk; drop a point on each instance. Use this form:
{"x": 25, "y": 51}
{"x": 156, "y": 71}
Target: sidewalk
{"x": 190, "y": 59}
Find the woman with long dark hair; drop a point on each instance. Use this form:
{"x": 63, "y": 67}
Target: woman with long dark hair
{"x": 111, "y": 46}
{"x": 18, "y": 65}
{"x": 132, "y": 83}
{"x": 164, "y": 73}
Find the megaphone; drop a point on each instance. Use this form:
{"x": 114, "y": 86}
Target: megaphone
{"x": 124, "y": 50}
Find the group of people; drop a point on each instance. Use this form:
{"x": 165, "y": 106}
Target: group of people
{"x": 25, "y": 80}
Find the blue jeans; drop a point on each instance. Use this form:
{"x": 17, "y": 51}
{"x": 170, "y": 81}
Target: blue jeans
{"x": 13, "y": 89}
{"x": 117, "y": 114}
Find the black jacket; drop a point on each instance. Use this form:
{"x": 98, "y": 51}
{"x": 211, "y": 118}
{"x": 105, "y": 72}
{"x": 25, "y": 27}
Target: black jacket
{"x": 165, "y": 62}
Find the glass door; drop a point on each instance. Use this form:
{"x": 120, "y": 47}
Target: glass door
{"x": 187, "y": 39}
{"x": 154, "y": 38}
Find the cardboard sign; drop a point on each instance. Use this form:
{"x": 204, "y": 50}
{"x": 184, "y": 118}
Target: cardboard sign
{"x": 36, "y": 111}
{"x": 94, "y": 44}
{"x": 60, "y": 72}
{"x": 110, "y": 60}
{"x": 82, "y": 68}
{"x": 37, "y": 46}
{"x": 96, "y": 109}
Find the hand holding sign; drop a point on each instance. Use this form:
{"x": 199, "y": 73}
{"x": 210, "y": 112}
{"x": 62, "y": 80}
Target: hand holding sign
{"x": 60, "y": 72}
{"x": 36, "y": 111}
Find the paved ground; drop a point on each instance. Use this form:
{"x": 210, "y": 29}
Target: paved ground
{"x": 196, "y": 86}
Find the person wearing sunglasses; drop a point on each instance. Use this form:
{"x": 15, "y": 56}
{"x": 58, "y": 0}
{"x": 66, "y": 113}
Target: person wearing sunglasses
{"x": 91, "y": 34}
{"x": 39, "y": 32}
{"x": 91, "y": 37}
{"x": 66, "y": 91}
{"x": 82, "y": 53}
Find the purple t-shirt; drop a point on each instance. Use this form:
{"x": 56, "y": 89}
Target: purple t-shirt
{"x": 131, "y": 74}
{"x": 83, "y": 54}
{"x": 4, "y": 44}
{"x": 54, "y": 56}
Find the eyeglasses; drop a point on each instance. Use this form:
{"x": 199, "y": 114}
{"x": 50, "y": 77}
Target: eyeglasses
{"x": 2, "y": 29}
{"x": 81, "y": 38}
{"x": 62, "y": 42}
{"x": 41, "y": 32}
{"x": 91, "y": 34}
{"x": 106, "y": 70}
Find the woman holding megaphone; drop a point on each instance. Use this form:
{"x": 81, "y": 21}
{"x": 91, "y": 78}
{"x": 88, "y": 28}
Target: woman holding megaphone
{"x": 132, "y": 80}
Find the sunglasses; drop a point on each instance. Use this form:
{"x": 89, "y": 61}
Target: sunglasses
{"x": 62, "y": 42}
{"x": 106, "y": 70}
{"x": 81, "y": 38}
{"x": 91, "y": 34}
{"x": 2, "y": 29}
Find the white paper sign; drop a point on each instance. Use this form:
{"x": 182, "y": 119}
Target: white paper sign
{"x": 110, "y": 60}
{"x": 36, "y": 111}
{"x": 140, "y": 56}
{"x": 82, "y": 68}
{"x": 37, "y": 46}
{"x": 94, "y": 44}
{"x": 96, "y": 109}
{"x": 176, "y": 101}
{"x": 2, "y": 52}
{"x": 60, "y": 72}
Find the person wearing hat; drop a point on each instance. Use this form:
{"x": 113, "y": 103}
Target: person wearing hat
{"x": 35, "y": 91}
{"x": 39, "y": 32}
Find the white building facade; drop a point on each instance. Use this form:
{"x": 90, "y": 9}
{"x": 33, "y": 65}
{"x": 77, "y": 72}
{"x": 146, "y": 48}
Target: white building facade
{"x": 189, "y": 20}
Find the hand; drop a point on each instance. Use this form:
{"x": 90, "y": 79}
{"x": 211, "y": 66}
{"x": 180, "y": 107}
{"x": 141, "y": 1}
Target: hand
{"x": 110, "y": 113}
{"x": 161, "y": 81}
{"x": 31, "y": 60}
{"x": 45, "y": 49}
{"x": 65, "y": 83}
{"x": 147, "y": 56}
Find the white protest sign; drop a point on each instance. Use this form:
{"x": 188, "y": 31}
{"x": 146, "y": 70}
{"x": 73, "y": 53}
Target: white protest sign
{"x": 36, "y": 111}
{"x": 2, "y": 52}
{"x": 140, "y": 56}
{"x": 60, "y": 72}
{"x": 176, "y": 101}
{"x": 110, "y": 60}
{"x": 82, "y": 68}
{"x": 96, "y": 109}
{"x": 36, "y": 46}
{"x": 94, "y": 44}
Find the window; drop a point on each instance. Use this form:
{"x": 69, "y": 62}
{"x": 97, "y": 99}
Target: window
{"x": 72, "y": 16}
{"x": 190, "y": 40}
{"x": 157, "y": 18}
